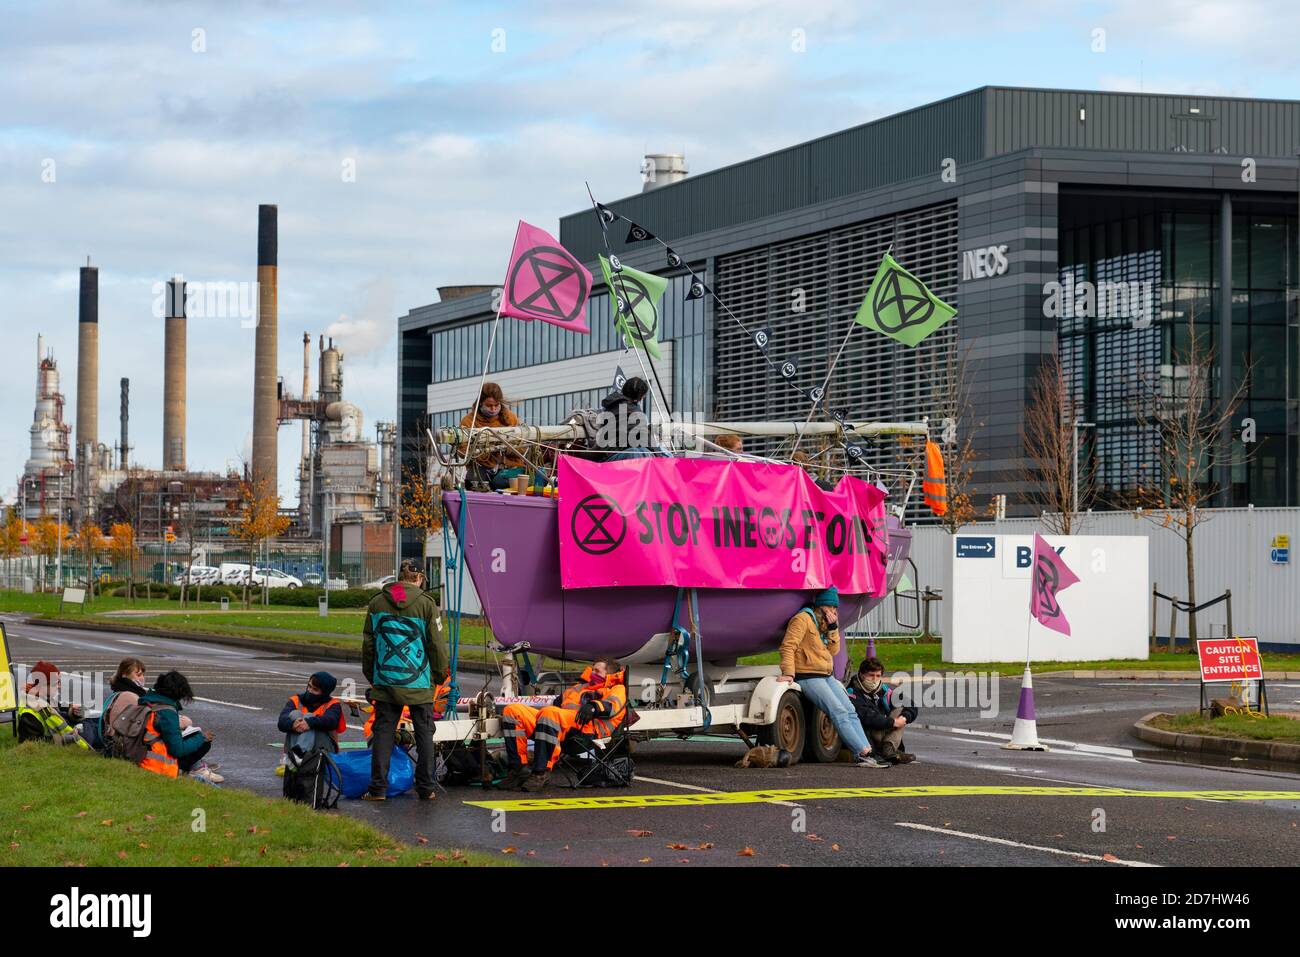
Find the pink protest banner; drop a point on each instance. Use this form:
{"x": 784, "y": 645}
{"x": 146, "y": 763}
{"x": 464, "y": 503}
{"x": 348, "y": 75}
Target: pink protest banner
{"x": 703, "y": 523}
{"x": 544, "y": 281}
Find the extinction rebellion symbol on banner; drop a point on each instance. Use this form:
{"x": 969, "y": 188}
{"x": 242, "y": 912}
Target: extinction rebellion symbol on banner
{"x": 598, "y": 525}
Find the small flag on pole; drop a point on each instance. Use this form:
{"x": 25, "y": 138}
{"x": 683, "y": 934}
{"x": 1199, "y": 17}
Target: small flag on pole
{"x": 1049, "y": 576}
{"x": 635, "y": 296}
{"x": 544, "y": 281}
{"x": 899, "y": 306}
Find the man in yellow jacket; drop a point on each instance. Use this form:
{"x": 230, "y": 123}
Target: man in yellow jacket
{"x": 812, "y": 639}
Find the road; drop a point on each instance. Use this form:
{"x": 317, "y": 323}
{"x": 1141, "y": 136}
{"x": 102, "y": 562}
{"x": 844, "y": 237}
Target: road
{"x": 910, "y": 816}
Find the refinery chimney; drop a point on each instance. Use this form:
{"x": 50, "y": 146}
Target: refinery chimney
{"x": 265, "y": 394}
{"x": 124, "y": 416}
{"x": 174, "y": 378}
{"x": 88, "y": 363}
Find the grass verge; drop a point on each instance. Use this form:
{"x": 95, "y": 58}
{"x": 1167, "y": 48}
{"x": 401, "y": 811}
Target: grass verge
{"x": 1276, "y": 728}
{"x": 62, "y": 806}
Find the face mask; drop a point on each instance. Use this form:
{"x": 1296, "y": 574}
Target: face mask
{"x": 485, "y": 414}
{"x": 871, "y": 684}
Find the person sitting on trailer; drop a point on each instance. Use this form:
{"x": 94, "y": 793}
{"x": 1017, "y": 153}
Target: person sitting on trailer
{"x": 624, "y": 427}
{"x": 595, "y": 706}
{"x": 881, "y": 711}
{"x": 314, "y": 718}
{"x": 812, "y": 639}
{"x": 494, "y": 467}
{"x": 39, "y": 716}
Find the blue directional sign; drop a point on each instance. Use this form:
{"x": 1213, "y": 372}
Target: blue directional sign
{"x": 1280, "y": 556}
{"x": 976, "y": 547}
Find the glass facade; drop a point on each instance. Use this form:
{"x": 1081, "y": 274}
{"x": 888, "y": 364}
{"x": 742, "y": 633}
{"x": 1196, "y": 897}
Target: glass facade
{"x": 1135, "y": 270}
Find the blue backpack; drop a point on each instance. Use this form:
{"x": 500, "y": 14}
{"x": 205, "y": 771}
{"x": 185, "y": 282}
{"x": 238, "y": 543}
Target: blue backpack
{"x": 93, "y": 729}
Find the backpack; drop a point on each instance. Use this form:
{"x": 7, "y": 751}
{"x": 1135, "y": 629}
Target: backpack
{"x": 312, "y": 778}
{"x": 126, "y": 733}
{"x": 95, "y": 731}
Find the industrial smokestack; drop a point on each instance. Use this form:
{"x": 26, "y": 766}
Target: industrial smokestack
{"x": 174, "y": 377}
{"x": 124, "y": 416}
{"x": 88, "y": 361}
{"x": 265, "y": 397}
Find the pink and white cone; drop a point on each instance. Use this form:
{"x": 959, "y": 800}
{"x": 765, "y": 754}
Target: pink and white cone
{"x": 1024, "y": 734}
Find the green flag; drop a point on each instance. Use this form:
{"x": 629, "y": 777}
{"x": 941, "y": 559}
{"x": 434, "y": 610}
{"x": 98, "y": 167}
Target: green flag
{"x": 899, "y": 306}
{"x": 636, "y": 296}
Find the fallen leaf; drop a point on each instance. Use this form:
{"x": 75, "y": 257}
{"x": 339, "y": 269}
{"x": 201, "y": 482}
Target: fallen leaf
{"x": 1171, "y": 837}
{"x": 343, "y": 863}
{"x": 261, "y": 851}
{"x": 1137, "y": 845}
{"x": 676, "y": 847}
{"x": 508, "y": 850}
{"x": 456, "y": 855}
{"x": 252, "y": 829}
{"x": 147, "y": 817}
{"x": 107, "y": 822}
{"x": 636, "y": 833}
{"x": 531, "y": 854}
{"x": 14, "y": 845}
{"x": 835, "y": 847}
{"x": 684, "y": 860}
{"x": 26, "y": 807}
{"x": 440, "y": 857}
{"x": 702, "y": 847}
{"x": 746, "y": 852}
{"x": 565, "y": 847}
{"x": 518, "y": 833}
{"x": 81, "y": 814}
{"x": 813, "y": 837}
{"x": 1109, "y": 857}
{"x": 421, "y": 840}
{"x": 142, "y": 844}
{"x": 644, "y": 860}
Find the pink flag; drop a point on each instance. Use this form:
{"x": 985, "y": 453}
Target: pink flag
{"x": 545, "y": 282}
{"x": 1050, "y": 577}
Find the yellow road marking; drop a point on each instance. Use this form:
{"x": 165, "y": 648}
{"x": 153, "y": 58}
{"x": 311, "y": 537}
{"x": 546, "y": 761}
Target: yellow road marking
{"x": 817, "y": 794}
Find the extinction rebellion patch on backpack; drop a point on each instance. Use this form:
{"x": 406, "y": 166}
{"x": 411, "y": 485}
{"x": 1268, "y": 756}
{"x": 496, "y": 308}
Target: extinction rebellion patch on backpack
{"x": 400, "y": 660}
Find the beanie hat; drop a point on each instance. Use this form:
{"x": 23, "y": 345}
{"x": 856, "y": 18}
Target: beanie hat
{"x": 830, "y": 597}
{"x": 325, "y": 681}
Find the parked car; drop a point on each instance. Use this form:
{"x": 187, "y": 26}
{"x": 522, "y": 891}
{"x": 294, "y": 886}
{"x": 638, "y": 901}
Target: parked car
{"x": 200, "y": 575}
{"x": 312, "y": 578}
{"x": 337, "y": 584}
{"x": 234, "y": 573}
{"x": 380, "y": 582}
{"x": 274, "y": 578}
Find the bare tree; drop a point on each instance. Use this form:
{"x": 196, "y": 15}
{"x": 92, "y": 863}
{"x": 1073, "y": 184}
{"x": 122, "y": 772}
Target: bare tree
{"x": 950, "y": 399}
{"x": 1048, "y": 436}
{"x": 1179, "y": 410}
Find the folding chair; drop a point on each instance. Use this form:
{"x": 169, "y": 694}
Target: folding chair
{"x": 586, "y": 761}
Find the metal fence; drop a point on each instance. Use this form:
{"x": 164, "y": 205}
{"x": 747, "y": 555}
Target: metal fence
{"x": 1233, "y": 550}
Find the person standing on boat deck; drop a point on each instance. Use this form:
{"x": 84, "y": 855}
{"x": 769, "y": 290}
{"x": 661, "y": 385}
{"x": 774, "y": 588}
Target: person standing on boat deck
{"x": 812, "y": 639}
{"x": 402, "y": 656}
{"x": 496, "y": 467}
{"x": 625, "y": 428}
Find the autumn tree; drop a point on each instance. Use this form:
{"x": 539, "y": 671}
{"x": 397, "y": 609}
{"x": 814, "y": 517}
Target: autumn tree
{"x": 419, "y": 504}
{"x": 123, "y": 548}
{"x": 11, "y": 539}
{"x": 46, "y": 537}
{"x": 1179, "y": 411}
{"x": 258, "y": 521}
{"x": 1048, "y": 436}
{"x": 89, "y": 541}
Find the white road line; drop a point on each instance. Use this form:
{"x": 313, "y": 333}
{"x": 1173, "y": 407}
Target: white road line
{"x": 128, "y": 641}
{"x": 1099, "y": 749}
{"x": 228, "y": 704}
{"x": 1028, "y": 847}
{"x": 38, "y": 640}
{"x": 358, "y": 727}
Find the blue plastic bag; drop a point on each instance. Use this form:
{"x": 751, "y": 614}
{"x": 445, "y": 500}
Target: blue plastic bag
{"x": 354, "y": 766}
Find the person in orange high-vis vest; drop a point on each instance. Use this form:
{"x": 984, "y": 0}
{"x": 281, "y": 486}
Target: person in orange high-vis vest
{"x": 440, "y": 694}
{"x": 157, "y": 760}
{"x": 313, "y": 718}
{"x": 596, "y": 706}
{"x": 934, "y": 489}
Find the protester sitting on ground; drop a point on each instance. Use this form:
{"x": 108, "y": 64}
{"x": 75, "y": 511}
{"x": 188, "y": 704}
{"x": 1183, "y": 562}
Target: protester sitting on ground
{"x": 882, "y": 714}
{"x": 812, "y": 639}
{"x": 313, "y": 719}
{"x": 171, "y": 750}
{"x": 124, "y": 690}
{"x": 595, "y": 706}
{"x": 494, "y": 468}
{"x": 39, "y": 717}
{"x": 731, "y": 442}
{"x": 401, "y": 652}
{"x": 625, "y": 428}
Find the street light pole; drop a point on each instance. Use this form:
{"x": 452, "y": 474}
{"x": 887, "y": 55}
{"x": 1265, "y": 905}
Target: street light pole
{"x": 58, "y": 561}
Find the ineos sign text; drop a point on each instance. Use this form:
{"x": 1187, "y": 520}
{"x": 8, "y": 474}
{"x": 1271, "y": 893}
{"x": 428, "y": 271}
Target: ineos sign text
{"x": 984, "y": 262}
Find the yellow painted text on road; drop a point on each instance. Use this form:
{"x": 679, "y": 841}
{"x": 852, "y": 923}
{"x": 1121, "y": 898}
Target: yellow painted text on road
{"x": 819, "y": 794}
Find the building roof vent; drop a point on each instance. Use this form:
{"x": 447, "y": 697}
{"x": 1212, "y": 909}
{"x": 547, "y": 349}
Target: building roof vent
{"x": 662, "y": 169}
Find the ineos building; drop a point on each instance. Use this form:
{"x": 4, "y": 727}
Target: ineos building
{"x": 1099, "y": 224}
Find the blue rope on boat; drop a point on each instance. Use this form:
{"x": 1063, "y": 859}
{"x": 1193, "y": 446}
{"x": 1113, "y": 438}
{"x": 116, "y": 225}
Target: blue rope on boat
{"x": 454, "y": 573}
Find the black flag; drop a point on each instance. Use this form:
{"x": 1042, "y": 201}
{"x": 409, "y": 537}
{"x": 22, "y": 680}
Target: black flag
{"x": 762, "y": 338}
{"x": 638, "y": 234}
{"x": 854, "y": 453}
{"x": 674, "y": 260}
{"x": 620, "y": 377}
{"x": 789, "y": 368}
{"x": 607, "y": 215}
{"x": 696, "y": 290}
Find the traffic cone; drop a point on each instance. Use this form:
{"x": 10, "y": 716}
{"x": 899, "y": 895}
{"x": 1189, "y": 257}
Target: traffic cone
{"x": 871, "y": 646}
{"x": 1024, "y": 735}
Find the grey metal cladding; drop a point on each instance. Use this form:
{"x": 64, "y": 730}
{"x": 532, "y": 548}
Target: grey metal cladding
{"x": 1149, "y": 122}
{"x": 875, "y": 154}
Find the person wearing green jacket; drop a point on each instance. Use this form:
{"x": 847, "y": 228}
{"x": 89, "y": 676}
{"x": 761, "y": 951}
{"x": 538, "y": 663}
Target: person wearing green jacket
{"x": 403, "y": 657}
{"x": 171, "y": 692}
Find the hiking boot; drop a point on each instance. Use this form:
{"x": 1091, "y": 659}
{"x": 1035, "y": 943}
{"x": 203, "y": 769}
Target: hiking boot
{"x": 426, "y": 795}
{"x": 887, "y": 752}
{"x": 536, "y": 782}
{"x": 515, "y": 778}
{"x": 904, "y": 758}
{"x": 372, "y": 796}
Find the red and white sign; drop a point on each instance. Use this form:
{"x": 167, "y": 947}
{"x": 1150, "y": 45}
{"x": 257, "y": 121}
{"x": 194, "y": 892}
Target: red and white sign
{"x": 1230, "y": 659}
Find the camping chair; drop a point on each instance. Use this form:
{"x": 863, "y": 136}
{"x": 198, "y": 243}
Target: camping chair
{"x": 586, "y": 761}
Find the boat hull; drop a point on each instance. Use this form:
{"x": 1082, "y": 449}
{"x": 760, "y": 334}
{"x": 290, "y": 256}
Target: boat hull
{"x": 512, "y": 555}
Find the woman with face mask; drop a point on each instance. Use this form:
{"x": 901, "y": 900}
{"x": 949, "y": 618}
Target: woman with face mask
{"x": 496, "y": 467}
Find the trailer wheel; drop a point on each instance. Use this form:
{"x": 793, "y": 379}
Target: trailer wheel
{"x": 787, "y": 730}
{"x": 822, "y": 742}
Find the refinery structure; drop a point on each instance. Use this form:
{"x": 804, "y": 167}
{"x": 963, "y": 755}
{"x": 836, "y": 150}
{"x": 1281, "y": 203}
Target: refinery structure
{"x": 346, "y": 477}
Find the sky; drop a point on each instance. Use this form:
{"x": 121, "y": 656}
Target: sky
{"x": 402, "y": 142}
